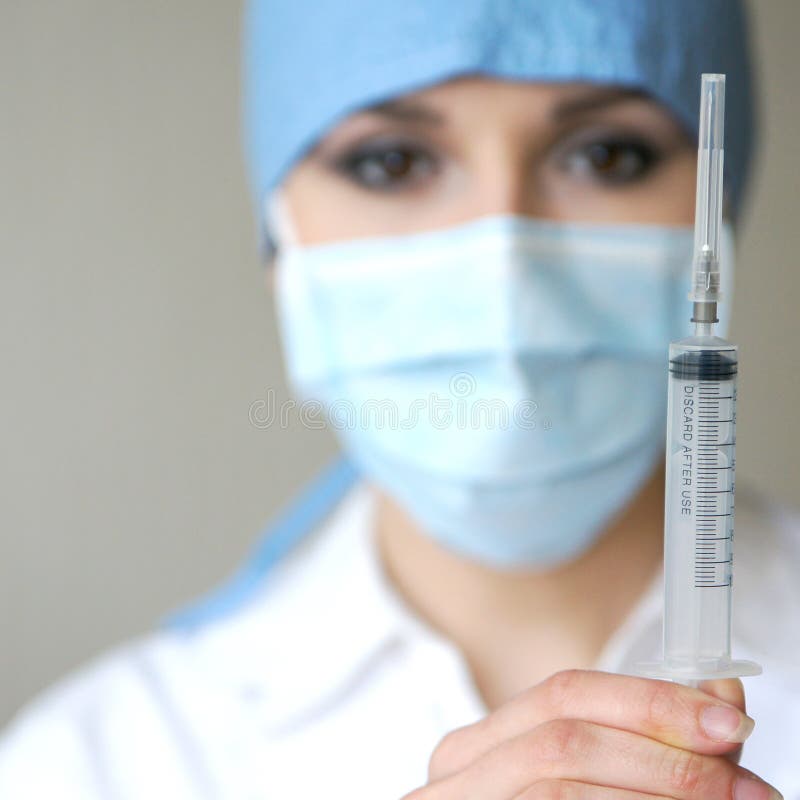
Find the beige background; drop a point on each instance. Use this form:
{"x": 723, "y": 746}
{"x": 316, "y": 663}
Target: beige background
{"x": 136, "y": 332}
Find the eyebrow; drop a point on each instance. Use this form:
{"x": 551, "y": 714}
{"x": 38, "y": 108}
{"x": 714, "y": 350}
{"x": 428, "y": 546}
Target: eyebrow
{"x": 407, "y": 111}
{"x": 414, "y": 111}
{"x": 595, "y": 99}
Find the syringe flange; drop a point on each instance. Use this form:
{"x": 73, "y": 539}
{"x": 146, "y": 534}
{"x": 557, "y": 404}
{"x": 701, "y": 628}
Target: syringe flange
{"x": 669, "y": 672}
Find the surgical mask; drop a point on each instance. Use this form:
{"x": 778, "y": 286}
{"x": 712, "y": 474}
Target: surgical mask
{"x": 503, "y": 380}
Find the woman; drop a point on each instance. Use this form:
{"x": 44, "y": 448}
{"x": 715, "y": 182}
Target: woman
{"x": 479, "y": 217}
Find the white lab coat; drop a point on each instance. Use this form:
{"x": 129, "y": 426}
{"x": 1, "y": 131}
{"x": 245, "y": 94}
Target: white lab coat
{"x": 324, "y": 685}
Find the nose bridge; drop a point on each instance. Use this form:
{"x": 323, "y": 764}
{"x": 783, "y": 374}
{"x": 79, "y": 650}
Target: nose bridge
{"x": 503, "y": 179}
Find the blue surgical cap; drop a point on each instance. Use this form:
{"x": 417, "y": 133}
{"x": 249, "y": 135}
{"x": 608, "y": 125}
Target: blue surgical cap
{"x": 309, "y": 63}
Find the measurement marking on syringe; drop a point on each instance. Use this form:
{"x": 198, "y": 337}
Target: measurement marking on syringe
{"x": 705, "y": 516}
{"x": 713, "y": 585}
{"x": 713, "y": 573}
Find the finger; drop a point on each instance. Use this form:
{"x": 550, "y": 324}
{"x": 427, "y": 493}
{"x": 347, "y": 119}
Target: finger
{"x": 730, "y": 690}
{"x": 577, "y": 790}
{"x": 572, "y": 750}
{"x": 676, "y": 715}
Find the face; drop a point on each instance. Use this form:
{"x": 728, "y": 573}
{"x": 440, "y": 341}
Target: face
{"x": 477, "y": 146}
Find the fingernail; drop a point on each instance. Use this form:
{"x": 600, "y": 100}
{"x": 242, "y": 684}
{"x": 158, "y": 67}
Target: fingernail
{"x": 726, "y": 724}
{"x": 754, "y": 789}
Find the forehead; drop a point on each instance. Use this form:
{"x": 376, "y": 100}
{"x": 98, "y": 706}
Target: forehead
{"x": 478, "y": 100}
{"x": 484, "y": 85}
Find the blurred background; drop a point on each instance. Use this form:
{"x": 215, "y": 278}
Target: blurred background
{"x": 137, "y": 333}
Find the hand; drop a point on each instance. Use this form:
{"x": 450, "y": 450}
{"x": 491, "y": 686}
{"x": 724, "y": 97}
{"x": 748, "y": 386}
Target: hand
{"x": 584, "y": 735}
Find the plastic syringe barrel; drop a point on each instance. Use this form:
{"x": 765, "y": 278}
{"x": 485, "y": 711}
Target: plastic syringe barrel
{"x": 699, "y": 511}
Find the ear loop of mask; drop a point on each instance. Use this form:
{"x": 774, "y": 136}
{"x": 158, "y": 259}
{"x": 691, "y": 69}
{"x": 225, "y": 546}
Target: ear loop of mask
{"x": 279, "y": 231}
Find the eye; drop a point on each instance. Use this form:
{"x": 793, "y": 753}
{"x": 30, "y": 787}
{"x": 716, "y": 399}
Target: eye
{"x": 386, "y": 165}
{"x": 613, "y": 161}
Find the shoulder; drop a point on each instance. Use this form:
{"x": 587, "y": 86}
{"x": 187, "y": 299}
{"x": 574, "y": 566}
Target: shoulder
{"x": 157, "y": 717}
{"x": 171, "y": 714}
{"x": 766, "y": 592}
{"x": 80, "y": 725}
{"x": 766, "y": 607}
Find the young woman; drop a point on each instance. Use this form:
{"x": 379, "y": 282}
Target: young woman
{"x": 479, "y": 220}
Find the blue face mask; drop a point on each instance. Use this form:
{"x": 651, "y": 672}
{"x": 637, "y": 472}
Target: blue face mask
{"x": 503, "y": 380}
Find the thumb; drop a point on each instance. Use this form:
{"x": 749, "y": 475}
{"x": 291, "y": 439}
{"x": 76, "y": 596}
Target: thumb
{"x": 729, "y": 690}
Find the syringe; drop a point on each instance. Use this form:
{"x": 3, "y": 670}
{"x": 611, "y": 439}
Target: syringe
{"x": 701, "y": 447}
